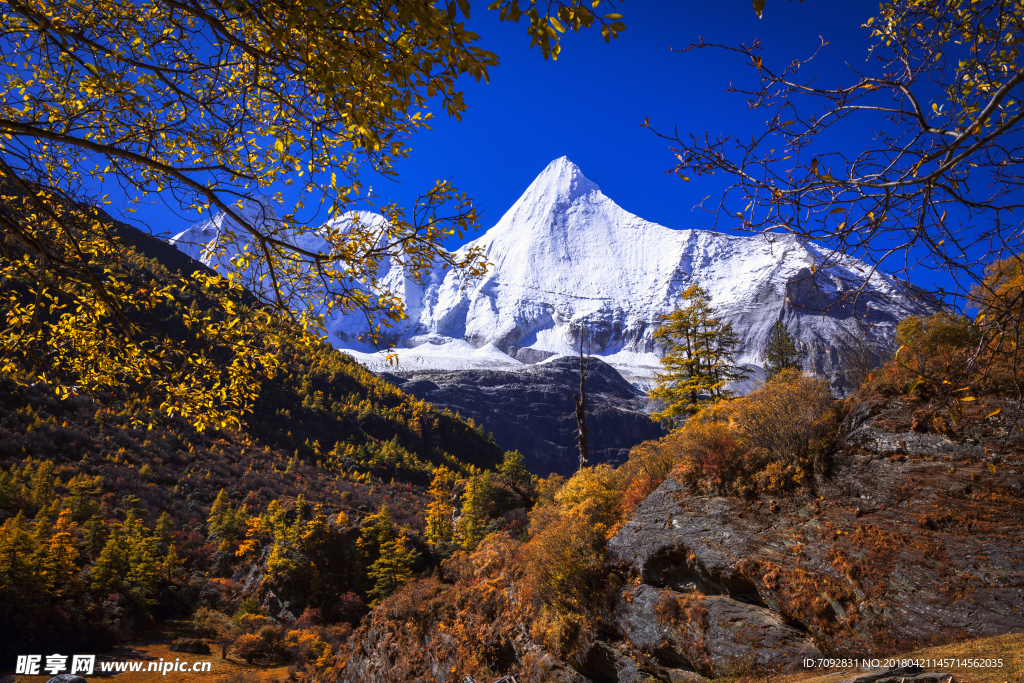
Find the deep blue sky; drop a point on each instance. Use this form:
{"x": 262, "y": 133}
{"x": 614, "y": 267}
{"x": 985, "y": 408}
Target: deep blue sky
{"x": 590, "y": 103}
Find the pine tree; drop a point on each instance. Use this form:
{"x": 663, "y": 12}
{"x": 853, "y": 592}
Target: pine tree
{"x": 20, "y": 571}
{"x": 111, "y": 566}
{"x": 378, "y": 529}
{"x": 780, "y": 351}
{"x": 143, "y": 573}
{"x": 440, "y": 510}
{"x": 471, "y": 527}
{"x": 60, "y": 566}
{"x": 699, "y": 361}
{"x": 162, "y": 533}
{"x": 95, "y": 536}
{"x": 81, "y": 489}
{"x": 42, "y": 484}
{"x": 392, "y": 569}
{"x": 222, "y": 522}
{"x": 514, "y": 471}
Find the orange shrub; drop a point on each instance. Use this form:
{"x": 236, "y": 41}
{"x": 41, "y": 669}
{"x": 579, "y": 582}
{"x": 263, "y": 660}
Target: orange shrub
{"x": 768, "y": 440}
{"x": 787, "y": 422}
{"x": 561, "y": 570}
{"x": 648, "y": 466}
{"x": 249, "y": 646}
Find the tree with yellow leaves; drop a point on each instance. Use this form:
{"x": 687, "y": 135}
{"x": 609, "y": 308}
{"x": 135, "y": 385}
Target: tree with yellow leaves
{"x": 471, "y": 526}
{"x": 699, "y": 362}
{"x": 209, "y": 105}
{"x": 61, "y": 564}
{"x": 440, "y": 511}
{"x": 392, "y": 569}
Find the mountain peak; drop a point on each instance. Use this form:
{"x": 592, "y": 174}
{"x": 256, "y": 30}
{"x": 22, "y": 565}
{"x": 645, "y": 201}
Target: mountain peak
{"x": 560, "y": 181}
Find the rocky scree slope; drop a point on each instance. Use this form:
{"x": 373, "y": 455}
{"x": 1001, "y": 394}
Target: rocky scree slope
{"x": 532, "y": 410}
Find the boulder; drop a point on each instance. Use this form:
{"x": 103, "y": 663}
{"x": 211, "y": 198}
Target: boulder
{"x": 713, "y": 635}
{"x": 887, "y": 555}
{"x": 909, "y": 674}
{"x": 605, "y": 664}
{"x": 277, "y": 608}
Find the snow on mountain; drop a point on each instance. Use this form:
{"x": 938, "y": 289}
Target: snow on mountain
{"x": 566, "y": 259}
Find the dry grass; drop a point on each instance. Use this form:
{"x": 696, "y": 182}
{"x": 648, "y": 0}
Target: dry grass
{"x": 1009, "y": 648}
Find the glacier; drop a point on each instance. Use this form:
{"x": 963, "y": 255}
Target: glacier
{"x": 565, "y": 260}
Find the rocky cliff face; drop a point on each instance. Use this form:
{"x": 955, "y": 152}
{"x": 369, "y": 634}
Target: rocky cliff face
{"x": 531, "y": 409}
{"x": 912, "y": 541}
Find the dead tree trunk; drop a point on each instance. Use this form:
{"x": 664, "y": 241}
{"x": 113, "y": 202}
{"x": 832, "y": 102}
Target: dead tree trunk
{"x": 581, "y": 409}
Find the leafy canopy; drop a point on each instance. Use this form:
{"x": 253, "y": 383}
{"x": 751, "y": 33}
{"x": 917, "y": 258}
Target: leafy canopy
{"x": 208, "y": 105}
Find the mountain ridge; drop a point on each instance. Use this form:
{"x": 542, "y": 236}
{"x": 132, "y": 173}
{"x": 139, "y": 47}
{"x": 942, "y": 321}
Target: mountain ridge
{"x": 565, "y": 260}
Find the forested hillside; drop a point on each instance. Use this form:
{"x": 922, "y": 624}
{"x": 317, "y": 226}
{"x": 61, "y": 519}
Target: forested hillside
{"x": 115, "y": 517}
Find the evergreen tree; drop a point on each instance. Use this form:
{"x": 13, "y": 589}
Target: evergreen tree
{"x": 780, "y": 351}
{"x": 378, "y": 529}
{"x": 82, "y": 489}
{"x": 162, "y": 533}
{"x": 222, "y": 521}
{"x": 111, "y": 566}
{"x": 513, "y": 469}
{"x": 700, "y": 357}
{"x": 143, "y": 573}
{"x": 95, "y": 536}
{"x": 472, "y": 524}
{"x": 20, "y": 575}
{"x": 60, "y": 566}
{"x": 440, "y": 510}
{"x": 42, "y": 484}
{"x": 392, "y": 569}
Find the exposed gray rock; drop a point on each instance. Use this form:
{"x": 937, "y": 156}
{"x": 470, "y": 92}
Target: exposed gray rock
{"x": 532, "y": 409}
{"x": 871, "y": 438}
{"x": 879, "y": 674}
{"x": 886, "y": 556}
{"x": 278, "y": 608}
{"x": 713, "y": 635}
{"x": 604, "y": 664}
{"x": 66, "y": 678}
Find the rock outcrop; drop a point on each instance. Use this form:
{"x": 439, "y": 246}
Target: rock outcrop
{"x": 532, "y": 409}
{"x": 713, "y": 635}
{"x": 191, "y": 646}
{"x": 913, "y": 542}
{"x": 915, "y": 538}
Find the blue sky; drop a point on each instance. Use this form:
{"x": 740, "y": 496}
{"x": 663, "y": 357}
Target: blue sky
{"x": 590, "y": 103}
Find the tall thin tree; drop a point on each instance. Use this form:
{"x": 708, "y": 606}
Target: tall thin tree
{"x": 581, "y": 407}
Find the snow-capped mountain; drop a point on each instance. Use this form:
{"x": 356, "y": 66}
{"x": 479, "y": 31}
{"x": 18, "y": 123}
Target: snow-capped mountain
{"x": 566, "y": 260}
